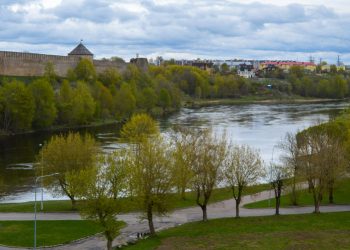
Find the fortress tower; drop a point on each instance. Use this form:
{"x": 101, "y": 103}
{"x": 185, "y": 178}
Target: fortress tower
{"x": 81, "y": 52}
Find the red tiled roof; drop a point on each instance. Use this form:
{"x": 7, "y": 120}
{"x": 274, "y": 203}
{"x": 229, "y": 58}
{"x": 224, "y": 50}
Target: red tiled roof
{"x": 280, "y": 63}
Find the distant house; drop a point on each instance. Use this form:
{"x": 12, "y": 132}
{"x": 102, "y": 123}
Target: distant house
{"x": 286, "y": 65}
{"x": 246, "y": 70}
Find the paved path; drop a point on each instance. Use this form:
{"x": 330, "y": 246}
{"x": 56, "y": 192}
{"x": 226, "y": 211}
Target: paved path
{"x": 136, "y": 225}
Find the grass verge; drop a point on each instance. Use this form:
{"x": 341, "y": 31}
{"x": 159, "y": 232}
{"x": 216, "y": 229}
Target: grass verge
{"x": 21, "y": 233}
{"x": 130, "y": 206}
{"x": 341, "y": 197}
{"x": 310, "y": 231}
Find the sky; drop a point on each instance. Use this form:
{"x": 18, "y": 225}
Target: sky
{"x": 181, "y": 29}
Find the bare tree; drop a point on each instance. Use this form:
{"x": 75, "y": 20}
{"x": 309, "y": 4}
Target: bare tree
{"x": 277, "y": 176}
{"x": 242, "y": 167}
{"x": 290, "y": 158}
{"x": 210, "y": 154}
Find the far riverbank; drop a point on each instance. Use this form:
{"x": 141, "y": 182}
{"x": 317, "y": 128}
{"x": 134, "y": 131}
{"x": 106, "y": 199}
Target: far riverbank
{"x": 255, "y": 100}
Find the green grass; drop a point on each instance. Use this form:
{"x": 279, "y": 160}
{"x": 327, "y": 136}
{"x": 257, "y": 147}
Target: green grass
{"x": 341, "y": 196}
{"x": 130, "y": 206}
{"x": 21, "y": 233}
{"x": 310, "y": 231}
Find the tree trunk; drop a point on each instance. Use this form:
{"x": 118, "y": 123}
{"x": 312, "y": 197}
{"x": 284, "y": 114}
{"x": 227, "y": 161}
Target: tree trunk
{"x": 204, "y": 210}
{"x": 237, "y": 207}
{"x": 278, "y": 203}
{"x": 294, "y": 193}
{"x": 183, "y": 193}
{"x": 109, "y": 244}
{"x": 74, "y": 203}
{"x": 330, "y": 195}
{"x": 317, "y": 207}
{"x": 150, "y": 220}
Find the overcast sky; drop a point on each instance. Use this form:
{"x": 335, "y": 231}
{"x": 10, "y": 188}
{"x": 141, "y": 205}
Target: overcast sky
{"x": 224, "y": 29}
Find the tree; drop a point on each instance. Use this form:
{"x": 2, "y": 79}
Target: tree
{"x": 67, "y": 155}
{"x": 148, "y": 99}
{"x": 290, "y": 159}
{"x": 17, "y": 107}
{"x": 64, "y": 103}
{"x": 83, "y": 105}
{"x": 277, "y": 176}
{"x": 104, "y": 100}
{"x": 50, "y": 73}
{"x": 209, "y": 154}
{"x": 150, "y": 177}
{"x": 100, "y": 189}
{"x": 183, "y": 159}
{"x": 164, "y": 99}
{"x": 139, "y": 127}
{"x": 321, "y": 156}
{"x": 242, "y": 167}
{"x": 44, "y": 98}
{"x": 85, "y": 70}
{"x": 125, "y": 102}
{"x": 111, "y": 78}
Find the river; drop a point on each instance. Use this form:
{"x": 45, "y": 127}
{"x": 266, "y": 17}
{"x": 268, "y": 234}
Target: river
{"x": 261, "y": 126}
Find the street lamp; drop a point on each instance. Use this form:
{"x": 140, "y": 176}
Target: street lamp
{"x": 42, "y": 173}
{"x": 36, "y": 183}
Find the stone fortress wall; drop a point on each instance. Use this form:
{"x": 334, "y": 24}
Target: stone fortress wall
{"x": 31, "y": 64}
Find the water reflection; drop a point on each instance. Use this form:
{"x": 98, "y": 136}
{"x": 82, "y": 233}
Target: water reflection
{"x": 260, "y": 126}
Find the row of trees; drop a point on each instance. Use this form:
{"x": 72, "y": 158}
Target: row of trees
{"x": 147, "y": 172}
{"x": 85, "y": 96}
{"x": 152, "y": 168}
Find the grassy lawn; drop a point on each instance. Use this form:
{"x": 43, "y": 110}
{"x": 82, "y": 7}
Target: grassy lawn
{"x": 311, "y": 231}
{"x": 341, "y": 196}
{"x": 65, "y": 205}
{"x": 21, "y": 233}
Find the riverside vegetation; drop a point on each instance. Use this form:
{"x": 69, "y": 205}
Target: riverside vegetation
{"x": 154, "y": 175}
{"x": 152, "y": 168}
{"x": 83, "y": 97}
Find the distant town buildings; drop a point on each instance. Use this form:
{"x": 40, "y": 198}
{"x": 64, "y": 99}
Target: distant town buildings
{"x": 250, "y": 68}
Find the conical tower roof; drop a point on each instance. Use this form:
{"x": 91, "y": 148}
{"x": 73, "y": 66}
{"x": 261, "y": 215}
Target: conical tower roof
{"x": 80, "y": 50}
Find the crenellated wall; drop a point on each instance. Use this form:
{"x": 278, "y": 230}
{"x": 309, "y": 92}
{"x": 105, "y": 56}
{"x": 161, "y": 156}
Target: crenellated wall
{"x": 31, "y": 64}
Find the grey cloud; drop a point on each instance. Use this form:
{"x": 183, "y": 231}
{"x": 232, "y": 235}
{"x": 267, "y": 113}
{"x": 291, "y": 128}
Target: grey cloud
{"x": 202, "y": 27}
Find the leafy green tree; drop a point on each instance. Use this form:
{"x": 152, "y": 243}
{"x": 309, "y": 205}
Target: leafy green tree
{"x": 83, "y": 105}
{"x": 124, "y": 102}
{"x": 139, "y": 127}
{"x": 17, "y": 107}
{"x": 100, "y": 189}
{"x": 104, "y": 100}
{"x": 85, "y": 70}
{"x": 67, "y": 155}
{"x": 64, "y": 103}
{"x": 148, "y": 99}
{"x": 44, "y": 97}
{"x": 339, "y": 87}
{"x": 111, "y": 78}
{"x": 50, "y": 73}
{"x": 150, "y": 177}
{"x": 164, "y": 99}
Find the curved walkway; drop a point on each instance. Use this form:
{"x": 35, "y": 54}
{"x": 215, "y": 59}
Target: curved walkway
{"x": 135, "y": 225}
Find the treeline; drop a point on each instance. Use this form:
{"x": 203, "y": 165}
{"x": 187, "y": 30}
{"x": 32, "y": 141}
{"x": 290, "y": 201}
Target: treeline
{"x": 84, "y": 96}
{"x": 307, "y": 84}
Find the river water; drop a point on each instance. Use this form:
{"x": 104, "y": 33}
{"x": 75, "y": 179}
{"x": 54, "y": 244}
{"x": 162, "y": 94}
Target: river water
{"x": 261, "y": 126}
